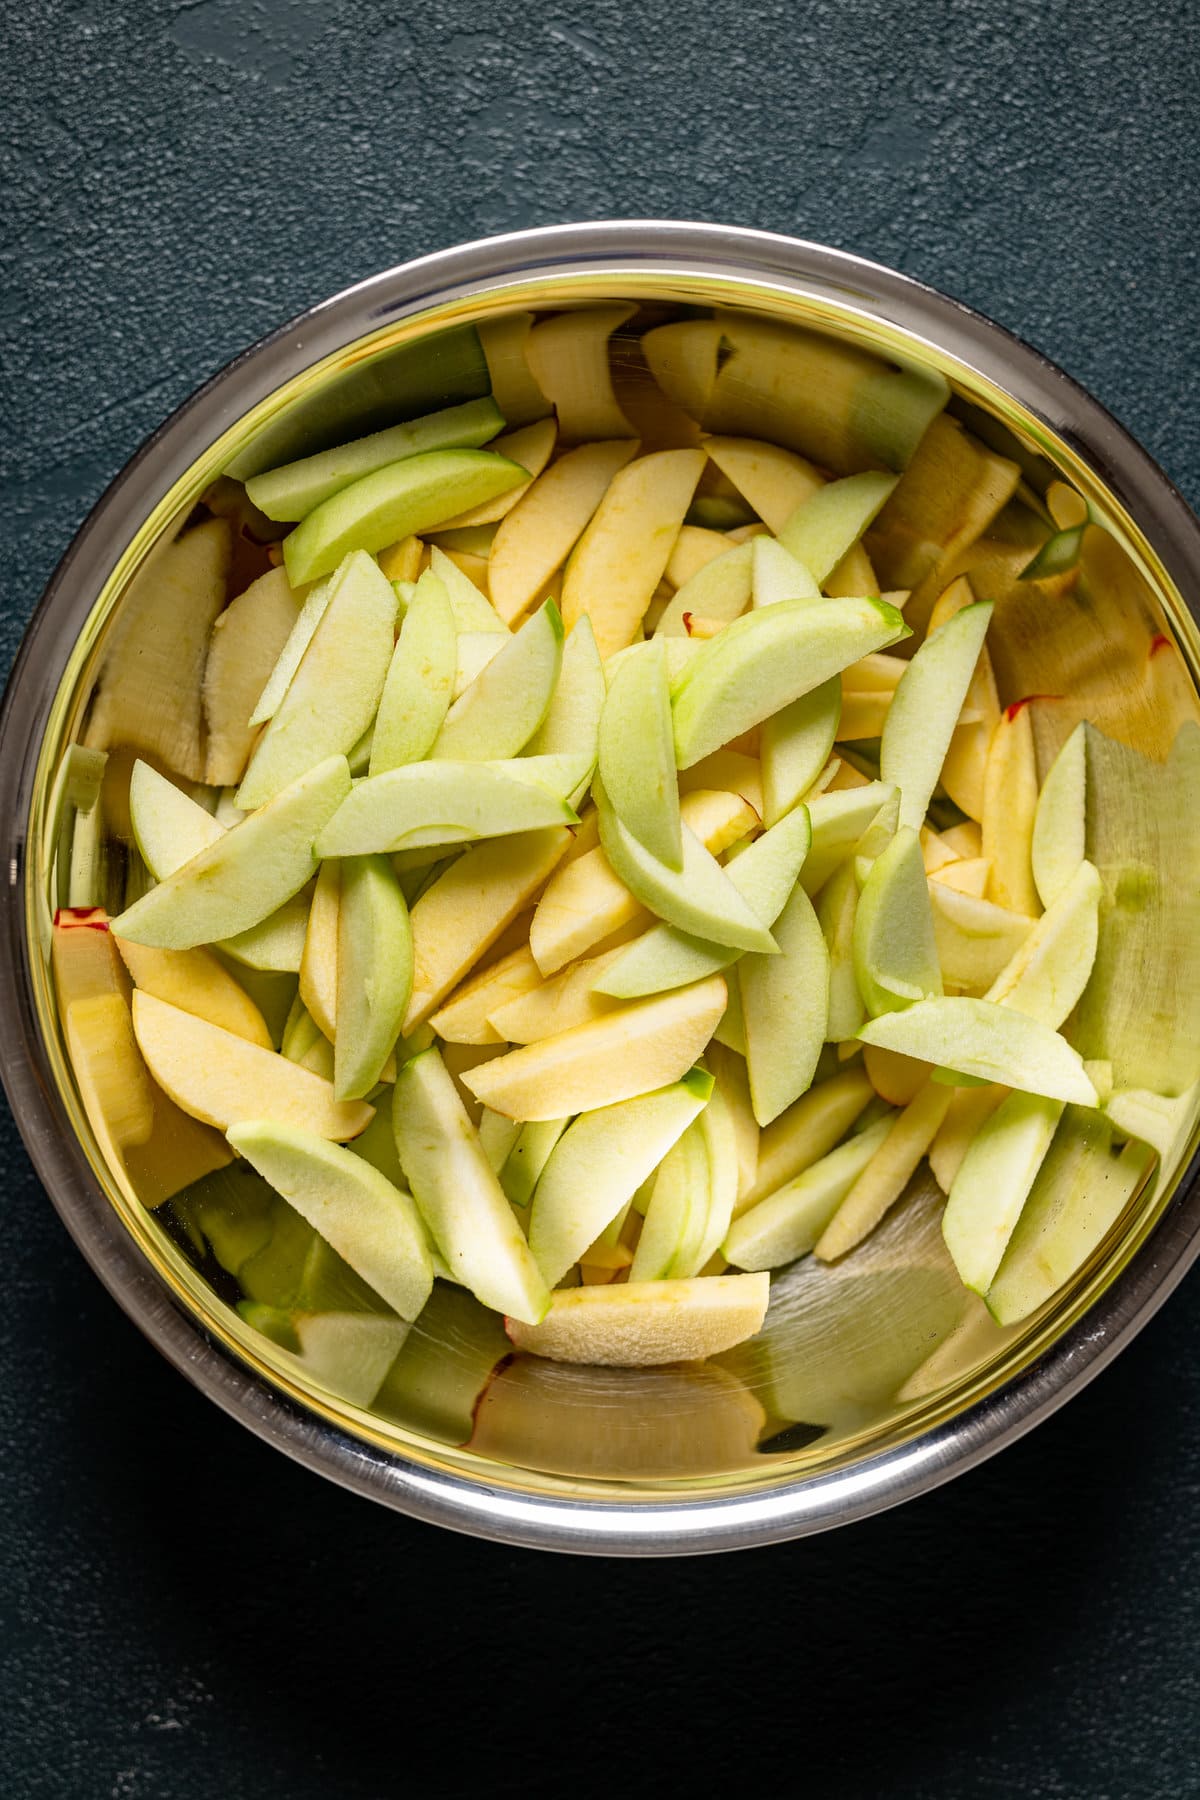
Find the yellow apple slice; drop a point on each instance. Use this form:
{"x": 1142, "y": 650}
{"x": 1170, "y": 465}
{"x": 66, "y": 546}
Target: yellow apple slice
{"x": 975, "y": 938}
{"x": 964, "y": 767}
{"x": 966, "y": 875}
{"x": 683, "y": 360}
{"x": 887, "y": 1174}
{"x": 536, "y": 537}
{"x": 420, "y": 679}
{"x": 895, "y": 1078}
{"x": 196, "y": 982}
{"x": 786, "y": 1224}
{"x": 247, "y": 641}
{"x": 109, "y": 1073}
{"x": 1010, "y": 799}
{"x": 319, "y": 962}
{"x": 855, "y": 574}
{"x": 1051, "y": 969}
{"x": 465, "y": 1018}
{"x": 693, "y": 550}
{"x": 806, "y": 1132}
{"x": 620, "y": 558}
{"x": 532, "y": 447}
{"x": 648, "y": 1321}
{"x": 222, "y": 1079}
{"x": 402, "y": 561}
{"x": 568, "y": 357}
{"x": 774, "y": 481}
{"x": 969, "y": 1110}
{"x": 629, "y": 1051}
{"x": 505, "y": 341}
{"x": 564, "y": 1001}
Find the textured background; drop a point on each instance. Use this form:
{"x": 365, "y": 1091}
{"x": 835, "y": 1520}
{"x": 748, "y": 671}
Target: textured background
{"x": 187, "y": 1614}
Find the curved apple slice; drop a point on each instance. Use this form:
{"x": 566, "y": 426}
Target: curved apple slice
{"x": 720, "y": 590}
{"x": 778, "y": 575}
{"x": 889, "y": 1171}
{"x": 527, "y": 1156}
{"x": 976, "y": 940}
{"x": 774, "y": 481}
{"x": 572, "y": 722}
{"x": 375, "y": 965}
{"x": 505, "y": 704}
{"x": 647, "y": 1322}
{"x": 925, "y": 708}
{"x": 839, "y": 819}
{"x": 1051, "y": 969}
{"x": 795, "y": 746}
{"x": 895, "y": 952}
{"x": 247, "y": 641}
{"x": 319, "y": 959}
{"x": 535, "y": 539}
{"x": 197, "y": 982}
{"x": 826, "y": 524}
{"x": 1059, "y": 842}
{"x": 1010, "y": 798}
{"x": 288, "y": 661}
{"x": 993, "y": 1043}
{"x": 637, "y": 754}
{"x": 787, "y": 1223}
{"x": 420, "y": 679}
{"x": 431, "y": 803}
{"x": 676, "y": 1210}
{"x": 698, "y": 898}
{"x": 993, "y": 1182}
{"x": 805, "y": 1133}
{"x": 785, "y": 1007}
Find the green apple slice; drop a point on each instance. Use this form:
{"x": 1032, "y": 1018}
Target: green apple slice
{"x": 827, "y": 523}
{"x": 572, "y": 722}
{"x": 665, "y": 957}
{"x": 993, "y": 1183}
{"x": 537, "y": 536}
{"x": 637, "y": 754}
{"x": 926, "y": 706}
{"x": 647, "y": 1322}
{"x": 434, "y": 803}
{"x": 886, "y": 1176}
{"x": 497, "y": 1136}
{"x": 169, "y": 827}
{"x": 838, "y": 821}
{"x": 472, "y": 610}
{"x": 507, "y": 701}
{"x": 806, "y": 1132}
{"x": 290, "y": 656}
{"x": 1164, "y": 1122}
{"x": 1060, "y": 823}
{"x": 720, "y": 590}
{"x": 598, "y": 1165}
{"x": 795, "y": 746}
{"x": 277, "y": 943}
{"x": 375, "y": 962}
{"x": 374, "y": 1226}
{"x": 895, "y": 952}
{"x": 630, "y": 1051}
{"x": 1078, "y": 1195}
{"x": 420, "y": 680}
{"x": 719, "y": 1131}
{"x": 785, "y": 1005}
{"x": 837, "y": 910}
{"x": 395, "y": 502}
{"x": 994, "y": 1043}
{"x": 528, "y": 1155}
{"x": 679, "y": 1191}
{"x": 458, "y": 1194}
{"x": 335, "y": 691}
{"x": 976, "y": 940}
{"x": 767, "y": 659}
{"x": 699, "y": 898}
{"x": 294, "y": 489}
{"x": 1051, "y": 969}
{"x": 778, "y": 575}
{"x": 787, "y": 1223}
{"x": 245, "y": 875}
{"x": 248, "y": 639}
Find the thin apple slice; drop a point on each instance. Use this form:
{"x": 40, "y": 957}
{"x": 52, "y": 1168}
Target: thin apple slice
{"x": 277, "y": 943}
{"x": 895, "y": 1078}
{"x": 197, "y": 982}
{"x": 600, "y": 1162}
{"x": 473, "y": 611}
{"x": 976, "y": 940}
{"x": 1165, "y": 1122}
{"x": 572, "y": 722}
{"x": 766, "y": 660}
{"x": 568, "y": 357}
{"x": 693, "y": 550}
{"x": 375, "y": 964}
{"x": 678, "y": 1195}
{"x": 964, "y": 767}
{"x": 294, "y": 489}
{"x": 537, "y": 536}
{"x": 632, "y": 1050}
{"x": 465, "y": 1018}
{"x": 505, "y": 341}
{"x": 1059, "y": 841}
{"x": 883, "y": 1180}
{"x": 805, "y": 1133}
{"x": 506, "y": 703}
{"x": 619, "y": 560}
{"x": 497, "y": 1135}
{"x": 247, "y": 641}
{"x": 316, "y": 601}
{"x": 970, "y": 1109}
{"x": 637, "y": 754}
{"x": 434, "y": 803}
{"x": 699, "y": 898}
{"x": 968, "y": 875}
{"x": 458, "y": 1193}
{"x": 372, "y": 1224}
{"x": 992, "y": 1184}
{"x": 248, "y": 873}
{"x": 334, "y": 693}
{"x": 419, "y": 682}
{"x": 926, "y": 706}
{"x": 404, "y": 497}
{"x": 647, "y": 1322}
{"x": 785, "y": 1006}
{"x": 565, "y": 1000}
{"x": 319, "y": 961}
{"x": 109, "y": 1072}
{"x": 683, "y": 360}
{"x": 461, "y": 915}
{"x": 795, "y": 747}
{"x": 720, "y": 590}
{"x": 1010, "y": 798}
{"x": 774, "y": 481}
{"x": 1051, "y": 969}
{"x": 855, "y": 574}
{"x": 778, "y": 575}
{"x": 1080, "y": 1192}
{"x": 895, "y": 951}
{"x": 787, "y": 1223}
{"x": 169, "y": 827}
{"x": 729, "y": 769}
{"x": 528, "y": 1156}
{"x": 825, "y": 524}
{"x": 530, "y": 445}
{"x": 222, "y": 1079}
{"x": 303, "y": 1042}
{"x": 994, "y": 1043}
{"x": 839, "y": 818}
{"x": 837, "y": 908}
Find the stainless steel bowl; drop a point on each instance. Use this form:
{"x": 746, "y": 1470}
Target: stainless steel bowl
{"x": 894, "y": 1386}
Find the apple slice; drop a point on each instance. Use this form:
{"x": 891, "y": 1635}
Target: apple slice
{"x": 795, "y": 747}
{"x": 683, "y": 360}
{"x": 528, "y": 1156}
{"x": 572, "y": 722}
{"x": 319, "y": 961}
{"x": 565, "y": 1000}
{"x": 976, "y": 940}
{"x": 896, "y": 1079}
{"x": 246, "y": 874}
{"x": 805, "y": 1133}
{"x": 883, "y": 1180}
{"x": 402, "y": 498}
{"x": 778, "y": 575}
{"x": 197, "y": 982}
{"x": 970, "y": 1109}
{"x": 505, "y": 341}
{"x": 277, "y": 944}
{"x": 693, "y": 550}
{"x": 720, "y": 590}
{"x": 630, "y": 1051}
{"x": 420, "y": 680}
{"x": 375, "y": 963}
{"x": 458, "y": 1193}
{"x": 826, "y": 523}
{"x": 1051, "y": 969}
{"x": 729, "y": 769}
{"x": 665, "y": 957}
{"x": 335, "y": 691}
{"x": 568, "y": 357}
{"x": 430, "y": 804}
{"x": 1059, "y": 840}
{"x": 967, "y": 875}
{"x": 925, "y": 709}
{"x": 837, "y": 907}
{"x": 290, "y": 656}
{"x": 648, "y": 1321}
{"x": 785, "y": 1005}
{"x": 766, "y": 660}
{"x": 619, "y": 560}
{"x": 537, "y": 536}
{"x": 373, "y": 1225}
{"x": 530, "y": 445}
{"x": 473, "y": 611}
{"x": 1010, "y": 798}
{"x": 462, "y": 914}
{"x": 838, "y": 819}
{"x": 719, "y": 1130}
{"x": 993, "y": 1183}
{"x": 994, "y": 1043}
{"x": 506, "y": 703}
{"x": 247, "y": 641}
{"x": 1078, "y": 1195}
{"x": 774, "y": 481}
{"x": 497, "y": 1136}
{"x": 965, "y": 764}
{"x": 637, "y": 754}
{"x": 169, "y": 827}
{"x": 895, "y": 952}
{"x": 676, "y": 1210}
{"x": 222, "y": 1079}
{"x": 109, "y": 1073}
{"x": 294, "y": 489}
{"x": 599, "y": 1163}
{"x": 786, "y": 1223}
{"x": 465, "y": 1017}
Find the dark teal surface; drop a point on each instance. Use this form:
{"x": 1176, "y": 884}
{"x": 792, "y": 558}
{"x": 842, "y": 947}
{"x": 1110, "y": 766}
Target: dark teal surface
{"x": 186, "y": 1614}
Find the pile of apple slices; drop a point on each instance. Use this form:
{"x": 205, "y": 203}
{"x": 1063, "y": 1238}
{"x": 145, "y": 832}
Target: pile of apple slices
{"x": 538, "y": 789}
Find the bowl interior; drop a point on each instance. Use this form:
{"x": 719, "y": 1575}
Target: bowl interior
{"x": 858, "y": 1356}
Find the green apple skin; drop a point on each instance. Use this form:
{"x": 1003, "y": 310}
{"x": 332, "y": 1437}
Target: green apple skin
{"x": 370, "y": 1223}
{"x": 786, "y": 1224}
{"x": 395, "y": 502}
{"x": 785, "y": 1006}
{"x": 829, "y": 522}
{"x": 432, "y": 803}
{"x": 637, "y": 753}
{"x": 375, "y": 969}
{"x": 247, "y": 874}
{"x": 993, "y": 1043}
{"x": 993, "y": 1183}
{"x": 459, "y": 1195}
{"x": 294, "y": 489}
{"x": 1060, "y": 823}
{"x": 420, "y": 680}
{"x": 767, "y": 659}
{"x": 925, "y": 709}
{"x": 895, "y": 954}
{"x": 505, "y": 704}
{"x": 795, "y": 746}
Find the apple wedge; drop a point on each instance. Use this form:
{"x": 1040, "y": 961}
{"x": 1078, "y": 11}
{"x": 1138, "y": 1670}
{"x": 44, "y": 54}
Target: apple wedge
{"x": 806, "y": 1132}
{"x": 785, "y": 1006}
{"x": 246, "y": 874}
{"x": 838, "y": 819}
{"x": 497, "y": 1137}
{"x": 403, "y": 498}
{"x": 564, "y": 1001}
{"x": 334, "y": 693}
{"x": 964, "y": 767}
{"x": 647, "y": 1322}
{"x": 883, "y": 1180}
{"x": 976, "y": 940}
{"x": 419, "y": 682}
{"x": 169, "y": 827}
{"x": 109, "y": 1072}
{"x": 778, "y": 575}
{"x": 428, "y": 804}
{"x": 505, "y": 341}
{"x": 247, "y": 641}
{"x": 632, "y": 1050}
{"x": 316, "y": 600}
{"x": 993, "y": 1043}
{"x": 599, "y": 1163}
{"x": 721, "y": 590}
{"x": 683, "y": 360}
{"x": 825, "y": 524}
{"x": 465, "y": 1018}
{"x": 1051, "y": 969}
{"x": 993, "y": 1182}
{"x": 1059, "y": 840}
{"x": 787, "y": 1223}
{"x": 1010, "y": 799}
{"x": 458, "y": 1193}
{"x": 767, "y": 659}
{"x": 774, "y": 481}
{"x": 534, "y": 540}
{"x": 970, "y": 1109}
{"x": 693, "y": 550}
{"x": 837, "y": 910}
{"x": 925, "y": 709}
{"x": 373, "y": 1225}
{"x": 572, "y": 722}
{"x": 375, "y": 964}
{"x": 506, "y": 703}
{"x": 528, "y": 1155}
{"x": 676, "y": 1211}
{"x": 530, "y": 445}
{"x": 619, "y": 560}
{"x": 319, "y": 961}
{"x": 637, "y": 754}
{"x": 795, "y": 747}
{"x": 895, "y": 951}
{"x": 197, "y": 982}
{"x": 222, "y": 1079}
